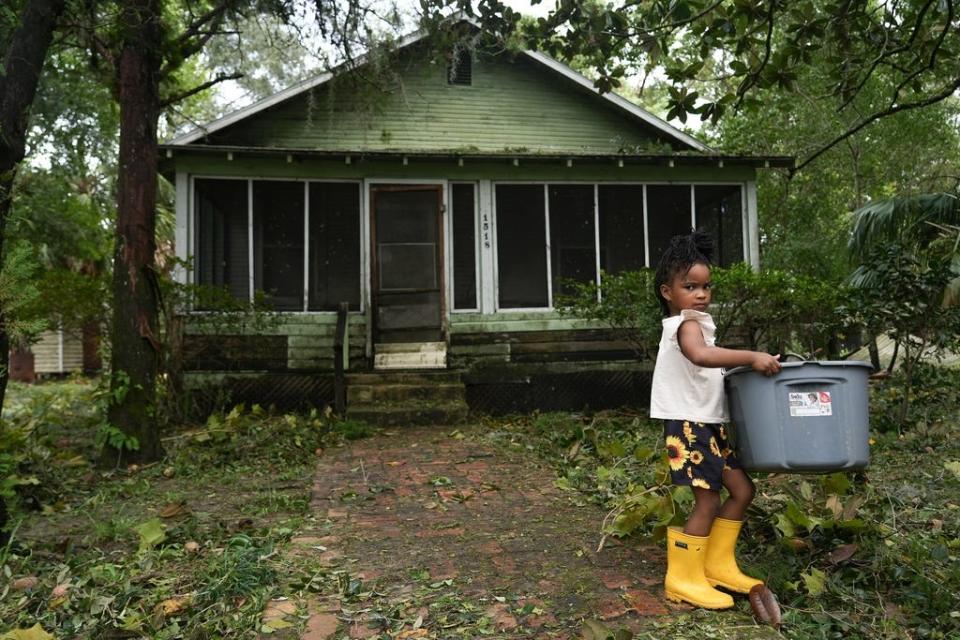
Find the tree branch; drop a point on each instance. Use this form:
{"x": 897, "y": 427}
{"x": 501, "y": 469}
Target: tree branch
{"x": 933, "y": 54}
{"x": 892, "y": 109}
{"x": 203, "y": 87}
{"x": 196, "y": 36}
{"x": 751, "y": 79}
{"x": 214, "y": 15}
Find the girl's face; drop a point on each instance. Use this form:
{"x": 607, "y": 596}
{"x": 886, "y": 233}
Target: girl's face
{"x": 690, "y": 290}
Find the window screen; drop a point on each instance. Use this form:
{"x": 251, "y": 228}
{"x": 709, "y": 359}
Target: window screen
{"x": 278, "y": 245}
{"x": 521, "y": 247}
{"x": 668, "y": 215}
{"x": 621, "y": 228}
{"x": 572, "y": 243}
{"x": 222, "y": 251}
{"x": 460, "y": 69}
{"x": 720, "y": 213}
{"x": 464, "y": 248}
{"x": 334, "y": 261}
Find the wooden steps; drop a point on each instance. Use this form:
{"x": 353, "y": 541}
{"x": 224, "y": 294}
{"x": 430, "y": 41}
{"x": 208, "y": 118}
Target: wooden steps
{"x": 398, "y": 398}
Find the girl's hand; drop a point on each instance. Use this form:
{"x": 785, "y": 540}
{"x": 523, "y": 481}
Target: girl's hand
{"x": 765, "y": 363}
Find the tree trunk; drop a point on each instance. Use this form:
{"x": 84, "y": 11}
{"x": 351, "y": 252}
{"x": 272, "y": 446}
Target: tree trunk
{"x": 135, "y": 348}
{"x": 22, "y": 63}
{"x": 874, "y": 351}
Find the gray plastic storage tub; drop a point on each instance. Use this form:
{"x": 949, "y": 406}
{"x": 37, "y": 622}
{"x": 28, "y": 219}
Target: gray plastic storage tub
{"x": 812, "y": 417}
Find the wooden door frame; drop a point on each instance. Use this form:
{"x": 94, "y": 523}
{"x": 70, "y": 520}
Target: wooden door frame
{"x": 374, "y": 190}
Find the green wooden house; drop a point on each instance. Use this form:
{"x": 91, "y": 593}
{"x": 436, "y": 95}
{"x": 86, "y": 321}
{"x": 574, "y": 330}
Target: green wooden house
{"x": 447, "y": 209}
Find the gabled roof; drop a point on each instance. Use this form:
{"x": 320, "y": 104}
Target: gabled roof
{"x": 618, "y": 102}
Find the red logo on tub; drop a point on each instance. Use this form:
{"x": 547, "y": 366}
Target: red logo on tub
{"x": 824, "y": 397}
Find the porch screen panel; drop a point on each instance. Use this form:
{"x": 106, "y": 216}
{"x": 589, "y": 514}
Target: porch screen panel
{"x": 464, "y": 248}
{"x": 222, "y": 251}
{"x": 668, "y": 214}
{"x": 621, "y": 228}
{"x": 334, "y": 261}
{"x": 521, "y": 247}
{"x": 278, "y": 242}
{"x": 573, "y": 254}
{"x": 720, "y": 213}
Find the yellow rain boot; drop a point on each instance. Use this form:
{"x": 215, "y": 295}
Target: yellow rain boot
{"x": 685, "y": 580}
{"x": 720, "y": 566}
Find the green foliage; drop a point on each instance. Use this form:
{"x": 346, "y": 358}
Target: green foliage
{"x": 934, "y": 398}
{"x": 838, "y": 549}
{"x": 911, "y": 221}
{"x": 744, "y": 51}
{"x": 32, "y": 464}
{"x": 781, "y": 312}
{"x": 905, "y": 300}
{"x": 805, "y": 217}
{"x": 352, "y": 429}
{"x": 110, "y": 436}
{"x": 924, "y": 225}
{"x": 628, "y": 306}
{"x": 770, "y": 309}
{"x": 18, "y": 293}
{"x": 223, "y": 314}
{"x": 238, "y": 572}
{"x": 240, "y": 487}
{"x": 244, "y": 433}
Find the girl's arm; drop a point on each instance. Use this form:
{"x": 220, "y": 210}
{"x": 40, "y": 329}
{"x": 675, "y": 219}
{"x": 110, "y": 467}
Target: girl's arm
{"x": 696, "y": 350}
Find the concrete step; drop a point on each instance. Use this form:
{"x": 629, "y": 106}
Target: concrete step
{"x": 403, "y": 414}
{"x": 380, "y": 393}
{"x": 409, "y": 347}
{"x": 410, "y": 355}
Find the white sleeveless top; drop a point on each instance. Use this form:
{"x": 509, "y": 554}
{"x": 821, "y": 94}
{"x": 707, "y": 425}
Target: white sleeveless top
{"x": 682, "y": 390}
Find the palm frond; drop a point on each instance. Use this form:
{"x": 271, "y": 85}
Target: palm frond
{"x": 905, "y": 218}
{"x": 863, "y": 278}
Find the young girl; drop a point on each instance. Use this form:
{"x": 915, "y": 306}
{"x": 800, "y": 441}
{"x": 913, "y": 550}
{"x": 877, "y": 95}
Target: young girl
{"x": 687, "y": 393}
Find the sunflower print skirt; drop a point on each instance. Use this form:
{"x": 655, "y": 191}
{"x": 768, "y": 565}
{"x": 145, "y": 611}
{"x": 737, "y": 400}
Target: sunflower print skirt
{"x": 698, "y": 453}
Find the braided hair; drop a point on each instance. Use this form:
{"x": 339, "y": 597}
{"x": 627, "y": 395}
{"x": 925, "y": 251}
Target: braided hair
{"x": 683, "y": 252}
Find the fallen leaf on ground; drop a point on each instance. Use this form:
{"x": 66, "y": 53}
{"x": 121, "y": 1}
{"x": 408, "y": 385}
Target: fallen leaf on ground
{"x": 60, "y": 591}
{"x": 35, "y": 632}
{"x": 24, "y": 584}
{"x": 173, "y": 510}
{"x": 277, "y": 623}
{"x": 172, "y": 606}
{"x": 151, "y": 534}
{"x": 764, "y": 604}
{"x": 954, "y": 466}
{"x": 843, "y": 553}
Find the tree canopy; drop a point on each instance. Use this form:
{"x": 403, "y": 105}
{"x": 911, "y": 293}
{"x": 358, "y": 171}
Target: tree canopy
{"x": 746, "y": 46}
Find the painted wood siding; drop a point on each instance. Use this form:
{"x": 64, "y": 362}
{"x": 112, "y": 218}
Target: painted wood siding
{"x": 512, "y": 106}
{"x": 515, "y": 337}
{"x": 295, "y": 342}
{"x": 47, "y": 353}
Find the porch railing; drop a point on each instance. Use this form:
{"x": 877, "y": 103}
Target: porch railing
{"x": 341, "y": 353}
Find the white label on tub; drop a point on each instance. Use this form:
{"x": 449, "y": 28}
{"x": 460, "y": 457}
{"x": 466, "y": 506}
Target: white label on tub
{"x": 811, "y": 403}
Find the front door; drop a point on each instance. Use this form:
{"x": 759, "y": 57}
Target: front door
{"x": 407, "y": 258}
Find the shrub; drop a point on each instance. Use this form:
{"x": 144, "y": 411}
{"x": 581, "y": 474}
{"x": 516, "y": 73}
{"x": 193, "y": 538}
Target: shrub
{"x": 625, "y": 302}
{"x": 904, "y": 299}
{"x": 770, "y": 310}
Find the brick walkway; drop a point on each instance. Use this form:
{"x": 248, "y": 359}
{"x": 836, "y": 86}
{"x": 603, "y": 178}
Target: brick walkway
{"x": 451, "y": 538}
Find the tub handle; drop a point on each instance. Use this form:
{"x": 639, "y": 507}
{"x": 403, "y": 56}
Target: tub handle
{"x": 806, "y": 381}
{"x": 789, "y": 354}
